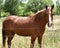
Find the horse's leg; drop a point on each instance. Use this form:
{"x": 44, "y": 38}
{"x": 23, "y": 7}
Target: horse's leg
{"x": 39, "y": 41}
{"x": 9, "y": 40}
{"x": 3, "y": 38}
{"x": 32, "y": 41}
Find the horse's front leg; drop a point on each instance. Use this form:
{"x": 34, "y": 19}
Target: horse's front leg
{"x": 39, "y": 41}
{"x": 33, "y": 38}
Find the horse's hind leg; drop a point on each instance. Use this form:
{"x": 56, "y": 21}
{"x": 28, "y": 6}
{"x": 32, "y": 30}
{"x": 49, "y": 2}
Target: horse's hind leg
{"x": 9, "y": 40}
{"x": 3, "y": 38}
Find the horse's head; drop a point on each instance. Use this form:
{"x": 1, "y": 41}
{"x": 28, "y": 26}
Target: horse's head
{"x": 49, "y": 13}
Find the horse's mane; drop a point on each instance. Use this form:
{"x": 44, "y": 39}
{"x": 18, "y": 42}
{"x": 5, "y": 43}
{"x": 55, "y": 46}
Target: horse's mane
{"x": 31, "y": 15}
{"x": 39, "y": 11}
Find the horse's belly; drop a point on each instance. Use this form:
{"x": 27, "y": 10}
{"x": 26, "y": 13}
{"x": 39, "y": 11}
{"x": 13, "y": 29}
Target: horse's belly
{"x": 23, "y": 32}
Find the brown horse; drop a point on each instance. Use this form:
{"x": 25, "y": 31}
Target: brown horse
{"x": 33, "y": 26}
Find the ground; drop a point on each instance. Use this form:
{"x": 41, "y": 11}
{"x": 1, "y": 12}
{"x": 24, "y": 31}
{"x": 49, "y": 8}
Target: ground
{"x": 51, "y": 37}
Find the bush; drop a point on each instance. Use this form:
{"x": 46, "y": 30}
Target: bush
{"x": 4, "y": 14}
{"x": 27, "y": 13}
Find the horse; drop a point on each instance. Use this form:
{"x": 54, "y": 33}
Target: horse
{"x": 33, "y": 26}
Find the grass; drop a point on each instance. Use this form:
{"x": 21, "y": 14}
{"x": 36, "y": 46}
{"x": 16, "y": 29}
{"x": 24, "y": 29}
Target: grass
{"x": 51, "y": 38}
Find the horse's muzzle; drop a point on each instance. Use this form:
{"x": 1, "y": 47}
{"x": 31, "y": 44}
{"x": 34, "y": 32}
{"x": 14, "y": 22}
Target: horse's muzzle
{"x": 49, "y": 25}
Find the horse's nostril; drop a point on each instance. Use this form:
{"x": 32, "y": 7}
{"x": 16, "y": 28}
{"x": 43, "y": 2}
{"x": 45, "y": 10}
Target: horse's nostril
{"x": 52, "y": 24}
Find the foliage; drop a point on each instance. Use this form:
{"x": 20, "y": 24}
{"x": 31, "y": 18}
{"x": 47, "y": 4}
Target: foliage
{"x": 58, "y": 7}
{"x": 1, "y": 6}
{"x": 35, "y": 5}
{"x": 11, "y": 6}
{"x": 3, "y": 14}
{"x": 17, "y": 7}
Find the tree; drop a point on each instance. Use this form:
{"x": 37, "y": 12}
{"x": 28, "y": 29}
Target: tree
{"x": 1, "y": 6}
{"x": 35, "y": 5}
{"x": 47, "y": 2}
{"x": 58, "y": 7}
{"x": 17, "y": 7}
{"x": 12, "y": 6}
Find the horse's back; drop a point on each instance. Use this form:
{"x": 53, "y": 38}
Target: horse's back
{"x": 10, "y": 18}
{"x": 10, "y": 21}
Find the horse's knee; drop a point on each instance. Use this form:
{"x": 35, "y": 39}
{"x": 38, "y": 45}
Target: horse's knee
{"x": 3, "y": 47}
{"x": 9, "y": 46}
{"x": 9, "y": 40}
{"x": 31, "y": 45}
{"x": 9, "y": 43}
{"x": 39, "y": 45}
{"x": 33, "y": 39}
{"x": 39, "y": 41}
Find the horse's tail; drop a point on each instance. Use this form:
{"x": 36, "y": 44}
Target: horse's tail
{"x": 3, "y": 38}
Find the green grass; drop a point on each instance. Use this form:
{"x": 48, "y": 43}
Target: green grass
{"x": 51, "y": 38}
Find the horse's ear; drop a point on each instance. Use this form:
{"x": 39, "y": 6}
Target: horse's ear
{"x": 46, "y": 6}
{"x": 52, "y": 6}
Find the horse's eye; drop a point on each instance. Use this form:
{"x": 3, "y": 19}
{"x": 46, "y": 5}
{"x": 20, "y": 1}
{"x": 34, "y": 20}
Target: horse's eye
{"x": 45, "y": 13}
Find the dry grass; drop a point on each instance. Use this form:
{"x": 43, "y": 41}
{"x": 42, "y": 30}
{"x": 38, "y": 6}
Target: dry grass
{"x": 51, "y": 38}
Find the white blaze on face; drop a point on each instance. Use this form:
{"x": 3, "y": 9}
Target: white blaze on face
{"x": 49, "y": 18}
{"x": 50, "y": 21}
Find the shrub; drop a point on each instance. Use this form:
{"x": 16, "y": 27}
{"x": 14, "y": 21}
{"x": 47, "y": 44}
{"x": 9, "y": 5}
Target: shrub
{"x": 4, "y": 14}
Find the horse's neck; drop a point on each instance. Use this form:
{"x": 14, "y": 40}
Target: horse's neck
{"x": 40, "y": 18}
